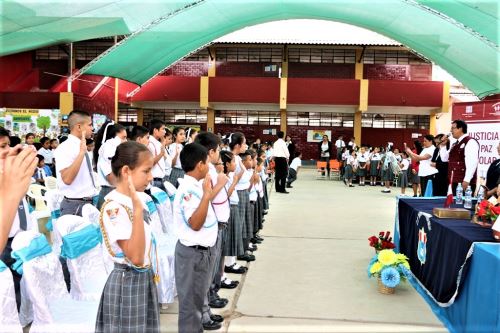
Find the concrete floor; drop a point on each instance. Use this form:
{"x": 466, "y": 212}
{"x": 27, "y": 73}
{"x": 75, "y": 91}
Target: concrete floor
{"x": 310, "y": 273}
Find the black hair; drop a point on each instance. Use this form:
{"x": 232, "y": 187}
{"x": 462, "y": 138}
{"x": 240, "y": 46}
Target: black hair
{"x": 430, "y": 137}
{"x": 40, "y": 158}
{"x": 404, "y": 153}
{"x": 236, "y": 138}
{"x": 460, "y": 124}
{"x": 259, "y": 161}
{"x": 208, "y": 140}
{"x": 297, "y": 153}
{"x": 43, "y": 140}
{"x": 167, "y": 132}
{"x": 155, "y": 124}
{"x": 138, "y": 132}
{"x": 252, "y": 153}
{"x": 4, "y": 132}
{"x": 76, "y": 114}
{"x": 245, "y": 154}
{"x": 281, "y": 135}
{"x": 191, "y": 155}
{"x": 176, "y": 131}
{"x": 127, "y": 153}
{"x": 418, "y": 146}
{"x": 30, "y": 134}
{"x": 226, "y": 157}
{"x": 190, "y": 131}
{"x": 52, "y": 140}
{"x": 260, "y": 152}
{"x": 89, "y": 141}
{"x": 14, "y": 141}
{"x": 111, "y": 132}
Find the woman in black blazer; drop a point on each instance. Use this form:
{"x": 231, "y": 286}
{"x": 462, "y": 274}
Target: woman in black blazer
{"x": 325, "y": 152}
{"x": 440, "y": 188}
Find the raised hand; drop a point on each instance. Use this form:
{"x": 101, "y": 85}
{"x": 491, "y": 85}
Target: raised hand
{"x": 207, "y": 186}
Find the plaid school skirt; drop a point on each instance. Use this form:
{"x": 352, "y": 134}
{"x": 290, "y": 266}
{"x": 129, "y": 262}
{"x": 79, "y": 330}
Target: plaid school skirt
{"x": 129, "y": 302}
{"x": 174, "y": 175}
{"x": 233, "y": 244}
{"x": 245, "y": 213}
{"x": 374, "y": 172}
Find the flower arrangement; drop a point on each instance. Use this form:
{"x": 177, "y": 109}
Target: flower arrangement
{"x": 382, "y": 242}
{"x": 487, "y": 211}
{"x": 389, "y": 267}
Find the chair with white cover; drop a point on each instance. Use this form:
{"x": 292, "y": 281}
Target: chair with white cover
{"x": 53, "y": 199}
{"x": 41, "y": 214}
{"x": 43, "y": 284}
{"x": 9, "y": 317}
{"x": 51, "y": 183}
{"x": 91, "y": 214}
{"x": 82, "y": 248}
{"x": 165, "y": 249}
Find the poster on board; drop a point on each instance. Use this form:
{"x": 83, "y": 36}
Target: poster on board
{"x": 317, "y": 135}
{"x": 23, "y": 121}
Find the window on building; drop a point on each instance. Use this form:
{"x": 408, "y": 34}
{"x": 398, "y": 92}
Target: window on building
{"x": 322, "y": 55}
{"x": 171, "y": 116}
{"x": 249, "y": 54}
{"x": 392, "y": 57}
{"x": 242, "y": 117}
{"x": 394, "y": 121}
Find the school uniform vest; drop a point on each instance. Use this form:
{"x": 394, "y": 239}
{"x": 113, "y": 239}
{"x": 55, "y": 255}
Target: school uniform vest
{"x": 456, "y": 161}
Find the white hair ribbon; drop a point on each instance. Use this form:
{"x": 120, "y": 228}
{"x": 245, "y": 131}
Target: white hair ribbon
{"x": 230, "y": 137}
{"x": 106, "y": 131}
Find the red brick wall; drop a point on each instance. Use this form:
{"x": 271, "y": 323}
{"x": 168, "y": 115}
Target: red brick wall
{"x": 398, "y": 72}
{"x": 188, "y": 68}
{"x": 336, "y": 71}
{"x": 243, "y": 69}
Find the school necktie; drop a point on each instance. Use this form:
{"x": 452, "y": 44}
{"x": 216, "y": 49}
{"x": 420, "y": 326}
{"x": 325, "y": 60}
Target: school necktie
{"x": 146, "y": 216}
{"x": 89, "y": 167}
{"x": 23, "y": 220}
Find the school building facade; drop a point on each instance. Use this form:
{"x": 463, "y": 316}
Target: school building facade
{"x": 375, "y": 93}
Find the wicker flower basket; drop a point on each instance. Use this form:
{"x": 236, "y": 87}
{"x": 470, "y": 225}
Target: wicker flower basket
{"x": 384, "y": 289}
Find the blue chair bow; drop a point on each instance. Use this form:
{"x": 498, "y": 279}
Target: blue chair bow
{"x": 37, "y": 247}
{"x": 77, "y": 243}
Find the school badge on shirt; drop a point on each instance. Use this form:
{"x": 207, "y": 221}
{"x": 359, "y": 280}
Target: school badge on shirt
{"x": 187, "y": 197}
{"x": 112, "y": 214}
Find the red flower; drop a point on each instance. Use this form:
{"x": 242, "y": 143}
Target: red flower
{"x": 496, "y": 210}
{"x": 481, "y": 212}
{"x": 484, "y": 204}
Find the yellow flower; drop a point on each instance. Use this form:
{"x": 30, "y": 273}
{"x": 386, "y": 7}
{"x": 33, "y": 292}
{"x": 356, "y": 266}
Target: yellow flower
{"x": 406, "y": 264}
{"x": 401, "y": 257}
{"x": 387, "y": 257}
{"x": 376, "y": 267}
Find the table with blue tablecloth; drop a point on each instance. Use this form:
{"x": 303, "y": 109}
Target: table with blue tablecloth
{"x": 455, "y": 265}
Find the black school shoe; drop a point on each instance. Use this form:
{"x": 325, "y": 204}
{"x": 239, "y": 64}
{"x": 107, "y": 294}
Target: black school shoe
{"x": 211, "y": 326}
{"x": 216, "y": 318}
{"x": 246, "y": 257}
{"x": 218, "y": 303}
{"x": 231, "y": 269}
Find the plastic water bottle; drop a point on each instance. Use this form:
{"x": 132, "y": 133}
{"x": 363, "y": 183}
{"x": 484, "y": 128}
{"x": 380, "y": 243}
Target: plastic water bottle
{"x": 468, "y": 198}
{"x": 459, "y": 195}
{"x": 480, "y": 194}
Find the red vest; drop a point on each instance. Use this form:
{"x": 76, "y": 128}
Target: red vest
{"x": 456, "y": 162}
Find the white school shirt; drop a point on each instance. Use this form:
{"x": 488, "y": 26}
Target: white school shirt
{"x": 118, "y": 225}
{"x": 345, "y": 155}
{"x": 263, "y": 175}
{"x": 340, "y": 144}
{"x": 64, "y": 155}
{"x": 406, "y": 163}
{"x": 425, "y": 168}
{"x": 352, "y": 161}
{"x": 260, "y": 188}
{"x": 40, "y": 173}
{"x": 187, "y": 199}
{"x": 244, "y": 182}
{"x": 155, "y": 148}
{"x": 253, "y": 190}
{"x": 220, "y": 203}
{"x": 16, "y": 226}
{"x": 362, "y": 158}
{"x": 296, "y": 163}
{"x": 168, "y": 163}
{"x": 471, "y": 154}
{"x": 47, "y": 154}
{"x": 171, "y": 151}
{"x": 106, "y": 152}
{"x": 233, "y": 198}
{"x": 280, "y": 149}
{"x": 375, "y": 157}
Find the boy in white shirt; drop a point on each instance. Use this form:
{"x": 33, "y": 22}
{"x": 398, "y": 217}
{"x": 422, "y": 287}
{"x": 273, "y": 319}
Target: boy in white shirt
{"x": 294, "y": 169}
{"x": 197, "y": 229}
{"x": 40, "y": 174}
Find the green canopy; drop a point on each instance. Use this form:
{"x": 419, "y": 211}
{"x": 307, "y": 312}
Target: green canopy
{"x": 459, "y": 36}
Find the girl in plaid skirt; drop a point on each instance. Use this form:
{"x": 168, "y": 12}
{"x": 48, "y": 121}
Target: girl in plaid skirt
{"x": 129, "y": 301}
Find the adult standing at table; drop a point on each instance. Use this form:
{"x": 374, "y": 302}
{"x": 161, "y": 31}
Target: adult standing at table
{"x": 493, "y": 176}
{"x": 441, "y": 180}
{"x": 281, "y": 156}
{"x": 75, "y": 177}
{"x": 426, "y": 171}
{"x": 462, "y": 157}
{"x": 339, "y": 144}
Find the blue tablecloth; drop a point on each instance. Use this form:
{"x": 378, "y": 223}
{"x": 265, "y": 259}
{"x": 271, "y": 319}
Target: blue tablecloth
{"x": 454, "y": 265}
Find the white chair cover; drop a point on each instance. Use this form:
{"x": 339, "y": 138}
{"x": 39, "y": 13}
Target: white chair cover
{"x": 91, "y": 214}
{"x": 166, "y": 254}
{"x": 51, "y": 182}
{"x": 54, "y": 198}
{"x": 43, "y": 284}
{"x": 165, "y": 209}
{"x": 87, "y": 272}
{"x": 9, "y": 318}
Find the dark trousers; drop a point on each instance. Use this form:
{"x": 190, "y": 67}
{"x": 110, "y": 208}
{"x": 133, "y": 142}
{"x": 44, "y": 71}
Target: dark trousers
{"x": 327, "y": 160}
{"x": 292, "y": 176}
{"x": 281, "y": 168}
{"x": 424, "y": 181}
{"x": 8, "y": 261}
